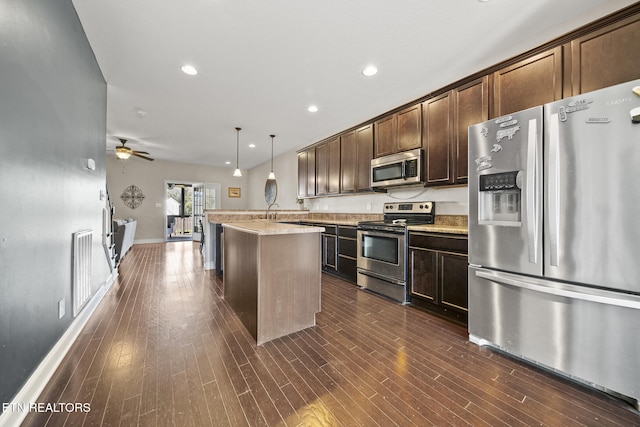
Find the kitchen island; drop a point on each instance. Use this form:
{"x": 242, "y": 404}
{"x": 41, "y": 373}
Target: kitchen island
{"x": 272, "y": 276}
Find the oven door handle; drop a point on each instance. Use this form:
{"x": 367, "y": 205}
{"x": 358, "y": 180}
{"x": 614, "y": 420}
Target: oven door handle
{"x": 380, "y": 277}
{"x": 378, "y": 233}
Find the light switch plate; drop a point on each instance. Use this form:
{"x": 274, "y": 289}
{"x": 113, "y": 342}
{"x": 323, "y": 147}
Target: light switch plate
{"x": 61, "y": 308}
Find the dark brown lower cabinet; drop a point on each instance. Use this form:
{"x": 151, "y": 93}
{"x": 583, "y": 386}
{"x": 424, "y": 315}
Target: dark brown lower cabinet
{"x": 347, "y": 253}
{"x": 438, "y": 274}
{"x": 329, "y": 248}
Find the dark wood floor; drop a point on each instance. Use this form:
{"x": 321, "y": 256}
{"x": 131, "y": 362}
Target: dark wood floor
{"x": 164, "y": 348}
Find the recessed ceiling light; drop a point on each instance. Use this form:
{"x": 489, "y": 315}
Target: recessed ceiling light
{"x": 227, "y": 162}
{"x": 312, "y": 108}
{"x": 370, "y": 71}
{"x": 189, "y": 69}
{"x": 252, "y": 145}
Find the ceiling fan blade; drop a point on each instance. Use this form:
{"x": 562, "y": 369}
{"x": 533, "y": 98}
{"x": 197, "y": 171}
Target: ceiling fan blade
{"x": 135, "y": 153}
{"x": 140, "y": 152}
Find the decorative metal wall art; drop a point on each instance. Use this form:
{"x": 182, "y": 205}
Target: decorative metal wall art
{"x": 132, "y": 196}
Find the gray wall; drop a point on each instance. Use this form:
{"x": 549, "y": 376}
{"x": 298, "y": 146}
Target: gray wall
{"x": 52, "y": 119}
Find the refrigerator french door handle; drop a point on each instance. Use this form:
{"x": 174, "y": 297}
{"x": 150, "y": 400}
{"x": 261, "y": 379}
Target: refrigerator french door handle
{"x": 553, "y": 189}
{"x": 531, "y": 190}
{"x": 602, "y": 297}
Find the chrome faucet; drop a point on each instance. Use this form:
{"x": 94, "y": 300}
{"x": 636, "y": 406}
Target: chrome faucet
{"x": 275, "y": 214}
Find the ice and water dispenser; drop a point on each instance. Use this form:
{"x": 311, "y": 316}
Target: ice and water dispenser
{"x": 499, "y": 198}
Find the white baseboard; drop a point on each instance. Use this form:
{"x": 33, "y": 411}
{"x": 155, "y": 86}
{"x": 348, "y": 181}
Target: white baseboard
{"x": 143, "y": 241}
{"x": 31, "y": 390}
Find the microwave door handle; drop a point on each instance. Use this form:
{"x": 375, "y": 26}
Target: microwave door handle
{"x": 404, "y": 170}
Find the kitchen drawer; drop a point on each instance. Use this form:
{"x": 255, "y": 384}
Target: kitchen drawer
{"x": 329, "y": 228}
{"x": 347, "y": 231}
{"x": 452, "y": 243}
{"x": 347, "y": 247}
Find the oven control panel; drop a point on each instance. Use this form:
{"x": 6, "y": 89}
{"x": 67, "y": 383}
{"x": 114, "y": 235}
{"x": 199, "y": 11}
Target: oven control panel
{"x": 409, "y": 207}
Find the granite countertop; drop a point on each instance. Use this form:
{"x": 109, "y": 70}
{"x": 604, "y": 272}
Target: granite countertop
{"x": 450, "y": 224}
{"x": 221, "y": 216}
{"x": 265, "y": 227}
{"x": 351, "y": 222}
{"x": 440, "y": 228}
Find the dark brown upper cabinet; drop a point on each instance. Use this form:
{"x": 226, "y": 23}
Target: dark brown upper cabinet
{"x": 302, "y": 174}
{"x": 328, "y": 167}
{"x": 410, "y": 128}
{"x": 533, "y": 81}
{"x": 437, "y": 115}
{"x": 606, "y": 57}
{"x": 470, "y": 106}
{"x": 348, "y": 161}
{"x": 356, "y": 148}
{"x": 386, "y": 135}
{"x": 307, "y": 173}
{"x": 399, "y": 131}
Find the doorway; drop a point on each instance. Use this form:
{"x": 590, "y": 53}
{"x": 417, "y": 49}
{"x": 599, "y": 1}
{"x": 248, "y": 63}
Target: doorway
{"x": 179, "y": 211}
{"x": 185, "y": 205}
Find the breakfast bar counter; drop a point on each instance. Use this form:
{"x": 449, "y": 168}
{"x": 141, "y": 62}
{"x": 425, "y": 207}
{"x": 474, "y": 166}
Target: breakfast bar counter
{"x": 272, "y": 276}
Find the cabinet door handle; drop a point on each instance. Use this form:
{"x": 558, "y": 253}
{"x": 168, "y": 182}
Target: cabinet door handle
{"x": 412, "y": 270}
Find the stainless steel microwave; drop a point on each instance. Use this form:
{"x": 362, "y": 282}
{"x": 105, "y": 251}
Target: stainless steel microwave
{"x": 398, "y": 169}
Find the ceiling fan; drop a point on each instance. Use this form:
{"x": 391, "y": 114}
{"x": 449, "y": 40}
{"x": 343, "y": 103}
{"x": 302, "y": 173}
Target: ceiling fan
{"x": 123, "y": 152}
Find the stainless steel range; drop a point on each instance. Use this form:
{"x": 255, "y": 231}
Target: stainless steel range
{"x": 382, "y": 248}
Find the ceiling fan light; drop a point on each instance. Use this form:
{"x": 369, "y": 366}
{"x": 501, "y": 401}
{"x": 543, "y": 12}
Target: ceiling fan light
{"x": 123, "y": 155}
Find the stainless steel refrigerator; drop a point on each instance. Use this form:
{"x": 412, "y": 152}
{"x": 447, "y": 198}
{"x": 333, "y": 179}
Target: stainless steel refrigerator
{"x": 554, "y": 237}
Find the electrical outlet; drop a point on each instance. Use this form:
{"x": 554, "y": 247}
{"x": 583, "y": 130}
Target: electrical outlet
{"x": 61, "y": 308}
{"x": 369, "y": 206}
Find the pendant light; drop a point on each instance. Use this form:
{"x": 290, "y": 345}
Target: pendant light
{"x": 271, "y": 174}
{"x": 237, "y": 172}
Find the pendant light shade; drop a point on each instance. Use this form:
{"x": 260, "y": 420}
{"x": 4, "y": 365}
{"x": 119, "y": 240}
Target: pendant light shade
{"x": 271, "y": 174}
{"x": 237, "y": 172}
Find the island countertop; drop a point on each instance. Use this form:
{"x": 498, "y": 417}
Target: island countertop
{"x": 264, "y": 227}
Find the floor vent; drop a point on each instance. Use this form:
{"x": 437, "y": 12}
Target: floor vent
{"x": 81, "y": 269}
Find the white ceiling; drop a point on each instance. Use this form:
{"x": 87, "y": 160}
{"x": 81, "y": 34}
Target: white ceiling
{"x": 262, "y": 63}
